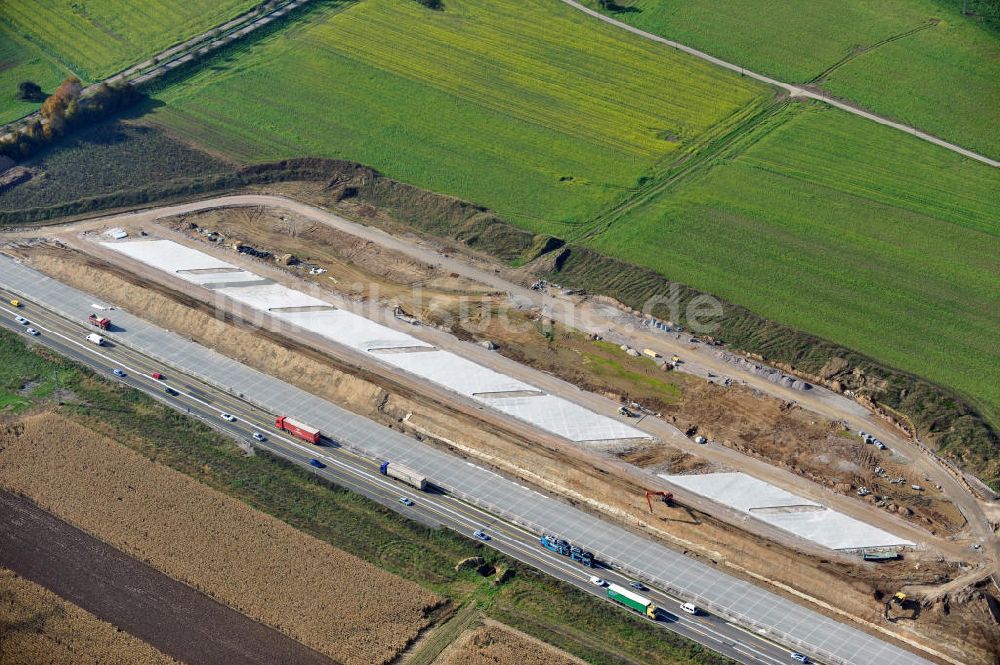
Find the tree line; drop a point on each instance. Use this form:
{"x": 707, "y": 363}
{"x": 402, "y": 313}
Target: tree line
{"x": 63, "y": 110}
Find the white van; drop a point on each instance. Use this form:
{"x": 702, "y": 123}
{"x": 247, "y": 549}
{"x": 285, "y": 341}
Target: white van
{"x": 690, "y": 608}
{"x": 95, "y": 339}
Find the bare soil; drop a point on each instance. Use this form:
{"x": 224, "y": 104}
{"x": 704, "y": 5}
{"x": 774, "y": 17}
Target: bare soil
{"x": 316, "y": 594}
{"x": 38, "y": 626}
{"x": 493, "y": 643}
{"x": 602, "y": 485}
{"x": 126, "y": 601}
{"x": 743, "y": 419}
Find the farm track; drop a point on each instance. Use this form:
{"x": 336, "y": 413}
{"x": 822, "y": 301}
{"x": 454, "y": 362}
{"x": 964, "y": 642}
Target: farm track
{"x": 176, "y": 619}
{"x": 728, "y": 139}
{"x": 854, "y": 55}
{"x": 793, "y": 90}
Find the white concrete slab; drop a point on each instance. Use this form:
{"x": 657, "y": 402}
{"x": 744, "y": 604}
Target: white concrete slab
{"x": 784, "y": 510}
{"x": 167, "y": 255}
{"x": 352, "y": 330}
{"x": 268, "y": 296}
{"x": 443, "y": 368}
{"x": 565, "y": 418}
{"x": 454, "y": 372}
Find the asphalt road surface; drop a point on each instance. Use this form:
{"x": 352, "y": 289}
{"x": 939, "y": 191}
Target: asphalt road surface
{"x": 475, "y": 497}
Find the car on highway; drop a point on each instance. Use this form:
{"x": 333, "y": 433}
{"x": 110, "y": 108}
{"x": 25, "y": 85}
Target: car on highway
{"x": 170, "y": 391}
{"x": 481, "y": 535}
{"x": 228, "y": 417}
{"x": 638, "y": 586}
{"x": 118, "y": 372}
{"x": 690, "y": 608}
{"x": 406, "y": 501}
{"x": 316, "y": 463}
{"x": 32, "y": 331}
{"x": 259, "y": 437}
{"x": 801, "y": 657}
{"x": 599, "y": 581}
{"x": 157, "y": 376}
{"x": 20, "y": 319}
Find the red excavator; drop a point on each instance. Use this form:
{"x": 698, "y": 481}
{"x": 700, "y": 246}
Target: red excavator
{"x": 665, "y": 497}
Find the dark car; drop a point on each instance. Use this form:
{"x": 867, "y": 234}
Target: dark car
{"x": 316, "y": 463}
{"x": 170, "y": 391}
{"x": 638, "y": 586}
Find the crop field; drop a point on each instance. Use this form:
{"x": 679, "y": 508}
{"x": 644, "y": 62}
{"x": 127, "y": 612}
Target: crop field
{"x": 21, "y": 60}
{"x": 323, "y": 597}
{"x": 493, "y": 643}
{"x": 837, "y": 227}
{"x": 98, "y": 38}
{"x": 40, "y": 627}
{"x": 941, "y": 79}
{"x": 527, "y": 107}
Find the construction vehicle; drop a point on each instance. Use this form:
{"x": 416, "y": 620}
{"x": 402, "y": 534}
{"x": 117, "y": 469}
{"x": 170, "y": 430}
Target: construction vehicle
{"x": 665, "y": 497}
{"x": 631, "y": 600}
{"x": 403, "y": 474}
{"x": 295, "y": 428}
{"x": 651, "y": 353}
{"x": 15, "y": 302}
{"x": 623, "y": 411}
{"x": 103, "y": 323}
{"x": 899, "y": 598}
{"x": 560, "y": 546}
{"x": 95, "y": 339}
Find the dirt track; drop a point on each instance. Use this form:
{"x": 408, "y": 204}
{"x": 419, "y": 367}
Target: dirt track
{"x": 181, "y": 622}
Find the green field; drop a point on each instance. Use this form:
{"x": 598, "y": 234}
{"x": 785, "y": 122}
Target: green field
{"x": 942, "y": 79}
{"x": 528, "y": 107}
{"x": 846, "y": 229}
{"x": 20, "y": 60}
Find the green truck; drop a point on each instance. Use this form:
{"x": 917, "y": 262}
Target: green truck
{"x": 632, "y": 600}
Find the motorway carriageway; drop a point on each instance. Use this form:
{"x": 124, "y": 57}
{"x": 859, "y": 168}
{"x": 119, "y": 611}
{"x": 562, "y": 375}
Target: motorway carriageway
{"x": 360, "y": 475}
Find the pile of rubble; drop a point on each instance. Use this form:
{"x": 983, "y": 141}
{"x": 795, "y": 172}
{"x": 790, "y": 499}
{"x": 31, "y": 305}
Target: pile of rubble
{"x": 771, "y": 374}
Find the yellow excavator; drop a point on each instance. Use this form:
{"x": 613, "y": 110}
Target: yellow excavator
{"x": 15, "y": 302}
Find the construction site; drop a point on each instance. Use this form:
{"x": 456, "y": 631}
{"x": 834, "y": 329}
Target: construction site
{"x": 757, "y": 476}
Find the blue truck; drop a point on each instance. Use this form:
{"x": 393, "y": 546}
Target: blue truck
{"x": 565, "y": 548}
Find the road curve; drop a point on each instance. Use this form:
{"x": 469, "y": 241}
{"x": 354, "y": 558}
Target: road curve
{"x": 793, "y": 90}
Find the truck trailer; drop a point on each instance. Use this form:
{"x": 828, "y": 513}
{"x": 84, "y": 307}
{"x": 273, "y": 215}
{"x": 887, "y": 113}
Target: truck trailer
{"x": 94, "y": 338}
{"x": 632, "y": 600}
{"x": 403, "y": 474}
{"x": 297, "y": 429}
{"x": 560, "y": 546}
{"x": 103, "y": 323}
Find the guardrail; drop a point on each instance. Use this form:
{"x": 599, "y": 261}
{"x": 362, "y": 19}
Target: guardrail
{"x": 727, "y": 613}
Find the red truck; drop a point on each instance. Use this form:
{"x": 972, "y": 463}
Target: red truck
{"x": 295, "y": 428}
{"x": 103, "y": 323}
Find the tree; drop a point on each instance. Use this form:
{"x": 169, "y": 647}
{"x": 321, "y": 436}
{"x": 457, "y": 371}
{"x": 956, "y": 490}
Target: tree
{"x": 29, "y": 91}
{"x": 61, "y": 106}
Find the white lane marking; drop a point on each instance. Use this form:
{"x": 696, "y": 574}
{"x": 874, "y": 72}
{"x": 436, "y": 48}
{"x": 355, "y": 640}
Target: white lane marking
{"x": 388, "y": 485}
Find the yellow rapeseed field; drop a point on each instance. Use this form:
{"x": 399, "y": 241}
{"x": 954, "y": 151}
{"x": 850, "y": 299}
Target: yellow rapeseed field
{"x": 321, "y": 596}
{"x": 37, "y": 626}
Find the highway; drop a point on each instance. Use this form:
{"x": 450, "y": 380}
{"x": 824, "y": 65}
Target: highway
{"x": 360, "y": 475}
{"x": 710, "y": 586}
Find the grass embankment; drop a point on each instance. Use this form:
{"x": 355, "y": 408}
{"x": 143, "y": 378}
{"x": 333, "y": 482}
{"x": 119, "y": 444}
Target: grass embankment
{"x": 527, "y": 107}
{"x": 848, "y": 231}
{"x": 941, "y": 77}
{"x": 529, "y": 601}
{"x": 37, "y": 626}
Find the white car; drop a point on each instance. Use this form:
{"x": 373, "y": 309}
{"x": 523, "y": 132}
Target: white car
{"x": 228, "y": 417}
{"x": 258, "y": 436}
{"x": 32, "y": 331}
{"x": 690, "y": 608}
{"x": 406, "y": 501}
{"x": 20, "y": 319}
{"x": 599, "y": 581}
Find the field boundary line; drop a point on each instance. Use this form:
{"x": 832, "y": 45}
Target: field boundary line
{"x": 850, "y": 57}
{"x": 793, "y": 90}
